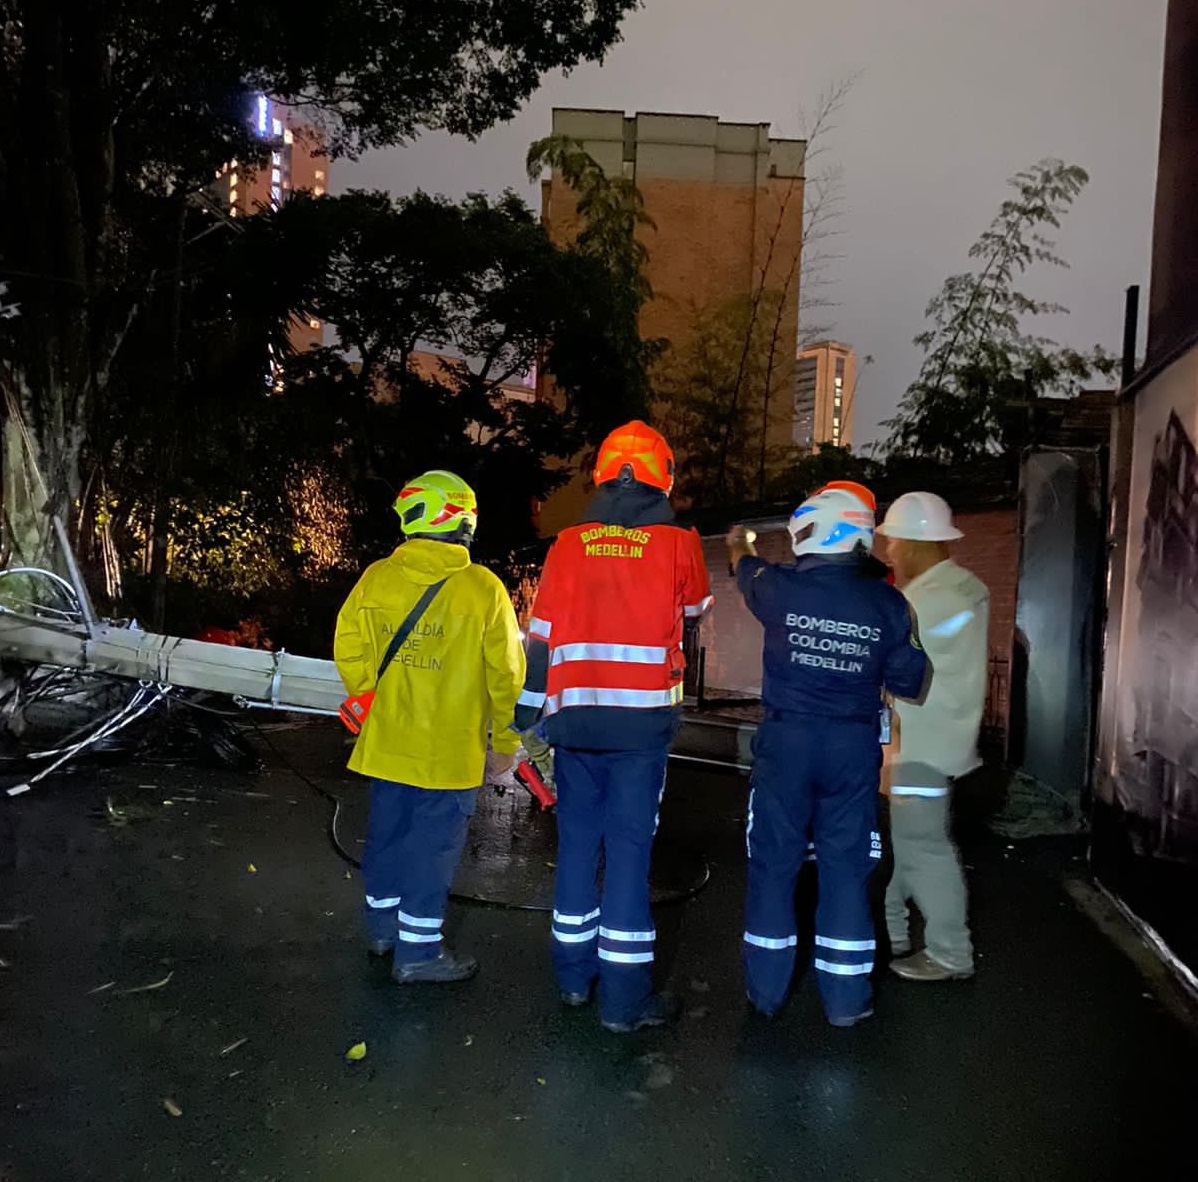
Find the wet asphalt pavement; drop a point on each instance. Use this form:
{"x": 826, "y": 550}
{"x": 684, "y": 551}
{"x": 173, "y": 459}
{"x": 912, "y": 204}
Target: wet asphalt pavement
{"x": 1056, "y": 1062}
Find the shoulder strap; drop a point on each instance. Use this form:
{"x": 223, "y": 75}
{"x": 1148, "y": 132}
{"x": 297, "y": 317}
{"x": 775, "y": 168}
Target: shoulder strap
{"x": 410, "y": 622}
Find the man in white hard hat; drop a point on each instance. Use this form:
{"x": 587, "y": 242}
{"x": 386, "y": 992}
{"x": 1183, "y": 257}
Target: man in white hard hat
{"x": 938, "y": 737}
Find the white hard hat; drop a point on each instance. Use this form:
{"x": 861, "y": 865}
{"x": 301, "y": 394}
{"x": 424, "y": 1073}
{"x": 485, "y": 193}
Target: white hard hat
{"x": 833, "y": 521}
{"x": 920, "y": 517}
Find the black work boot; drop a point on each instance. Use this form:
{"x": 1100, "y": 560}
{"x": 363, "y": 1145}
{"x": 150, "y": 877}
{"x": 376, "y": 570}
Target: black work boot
{"x": 659, "y": 1010}
{"x": 576, "y": 1000}
{"x": 447, "y": 966}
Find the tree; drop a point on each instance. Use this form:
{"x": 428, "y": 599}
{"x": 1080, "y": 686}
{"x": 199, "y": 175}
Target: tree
{"x": 720, "y": 387}
{"x": 478, "y": 282}
{"x": 817, "y": 468}
{"x": 611, "y": 212}
{"x": 725, "y": 390}
{"x": 113, "y": 114}
{"x": 823, "y": 207}
{"x": 717, "y": 389}
{"x": 980, "y": 363}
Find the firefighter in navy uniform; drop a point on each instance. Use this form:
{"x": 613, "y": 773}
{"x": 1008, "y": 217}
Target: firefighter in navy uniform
{"x": 605, "y": 679}
{"x": 836, "y": 637}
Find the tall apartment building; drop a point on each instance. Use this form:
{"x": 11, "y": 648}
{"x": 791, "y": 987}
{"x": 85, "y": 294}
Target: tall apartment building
{"x": 825, "y": 382}
{"x": 726, "y": 203}
{"x": 296, "y": 163}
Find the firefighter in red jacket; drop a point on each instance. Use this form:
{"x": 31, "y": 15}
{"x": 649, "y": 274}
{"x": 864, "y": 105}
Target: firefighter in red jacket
{"x": 605, "y": 678}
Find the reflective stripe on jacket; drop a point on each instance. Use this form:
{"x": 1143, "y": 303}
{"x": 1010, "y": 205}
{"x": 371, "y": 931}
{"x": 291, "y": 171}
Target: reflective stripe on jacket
{"x": 610, "y": 609}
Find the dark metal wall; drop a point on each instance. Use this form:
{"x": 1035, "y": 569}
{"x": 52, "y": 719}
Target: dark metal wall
{"x": 1056, "y": 618}
{"x": 1173, "y": 308}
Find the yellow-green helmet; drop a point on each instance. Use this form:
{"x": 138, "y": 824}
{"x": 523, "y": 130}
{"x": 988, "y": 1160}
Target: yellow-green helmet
{"x": 438, "y": 505}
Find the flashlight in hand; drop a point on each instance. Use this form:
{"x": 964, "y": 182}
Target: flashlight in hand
{"x": 740, "y": 539}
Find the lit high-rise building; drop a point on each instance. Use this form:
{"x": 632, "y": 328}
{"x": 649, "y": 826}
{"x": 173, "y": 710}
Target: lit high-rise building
{"x": 296, "y": 163}
{"x": 825, "y": 382}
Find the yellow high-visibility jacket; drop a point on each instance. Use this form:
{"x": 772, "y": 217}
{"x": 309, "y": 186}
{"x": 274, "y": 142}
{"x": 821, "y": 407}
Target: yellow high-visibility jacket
{"x": 459, "y": 671}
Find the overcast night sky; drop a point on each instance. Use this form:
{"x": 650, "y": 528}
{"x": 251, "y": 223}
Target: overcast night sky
{"x": 954, "y": 96}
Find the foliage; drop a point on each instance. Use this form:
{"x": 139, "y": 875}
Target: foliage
{"x": 726, "y": 391}
{"x": 716, "y": 394}
{"x": 227, "y": 546}
{"x": 611, "y": 212}
{"x": 313, "y": 465}
{"x": 980, "y": 362}
{"x": 481, "y": 284}
{"x": 113, "y": 114}
{"x": 823, "y": 208}
{"x": 827, "y": 462}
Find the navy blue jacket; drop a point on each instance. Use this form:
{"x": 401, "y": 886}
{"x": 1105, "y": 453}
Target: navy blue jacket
{"x": 836, "y": 635}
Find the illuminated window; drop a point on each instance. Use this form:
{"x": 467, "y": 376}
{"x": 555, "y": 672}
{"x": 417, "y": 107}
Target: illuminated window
{"x": 276, "y": 128}
{"x": 287, "y": 136}
{"x": 263, "y": 113}
{"x": 318, "y": 191}
{"x": 233, "y": 212}
{"x": 276, "y": 158}
{"x": 313, "y": 323}
{"x": 276, "y": 195}
{"x": 276, "y": 176}
{"x": 233, "y": 196}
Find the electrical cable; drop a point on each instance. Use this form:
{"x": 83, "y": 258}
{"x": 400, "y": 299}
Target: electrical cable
{"x": 117, "y": 722}
{"x": 92, "y": 733}
{"x": 65, "y": 682}
{"x": 331, "y": 797}
{"x": 138, "y": 705}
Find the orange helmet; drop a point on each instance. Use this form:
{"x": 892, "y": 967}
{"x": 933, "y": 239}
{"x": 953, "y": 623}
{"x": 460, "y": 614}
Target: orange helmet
{"x": 641, "y": 450}
{"x": 862, "y": 493}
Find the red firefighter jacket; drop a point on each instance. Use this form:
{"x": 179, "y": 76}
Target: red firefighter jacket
{"x": 605, "y": 639}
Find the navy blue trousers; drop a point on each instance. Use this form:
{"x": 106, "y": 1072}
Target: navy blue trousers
{"x": 413, "y": 842}
{"x": 607, "y": 801}
{"x": 813, "y": 781}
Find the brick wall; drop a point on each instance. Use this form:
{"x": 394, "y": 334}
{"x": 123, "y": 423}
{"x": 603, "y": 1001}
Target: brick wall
{"x": 990, "y": 548}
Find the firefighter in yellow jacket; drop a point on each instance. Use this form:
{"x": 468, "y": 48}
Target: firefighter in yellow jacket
{"x": 453, "y": 678}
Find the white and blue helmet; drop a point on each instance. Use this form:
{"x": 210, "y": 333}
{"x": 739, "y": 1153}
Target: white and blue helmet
{"x": 832, "y": 521}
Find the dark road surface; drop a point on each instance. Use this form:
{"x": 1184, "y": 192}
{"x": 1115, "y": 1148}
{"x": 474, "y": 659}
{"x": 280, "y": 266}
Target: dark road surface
{"x": 1056, "y": 1062}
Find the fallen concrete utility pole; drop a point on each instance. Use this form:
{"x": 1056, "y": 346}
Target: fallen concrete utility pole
{"x": 251, "y": 677}
{"x": 72, "y": 636}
